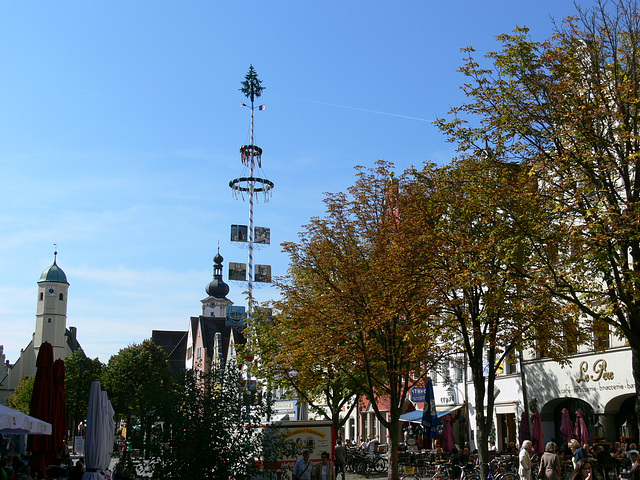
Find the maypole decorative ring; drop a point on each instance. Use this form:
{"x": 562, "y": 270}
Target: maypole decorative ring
{"x": 244, "y": 184}
{"x": 247, "y": 152}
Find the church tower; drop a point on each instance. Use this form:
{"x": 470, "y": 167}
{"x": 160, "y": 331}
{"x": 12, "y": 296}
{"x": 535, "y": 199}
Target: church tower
{"x": 51, "y": 314}
{"x": 215, "y": 305}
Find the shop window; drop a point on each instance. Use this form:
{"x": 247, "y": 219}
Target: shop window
{"x": 511, "y": 363}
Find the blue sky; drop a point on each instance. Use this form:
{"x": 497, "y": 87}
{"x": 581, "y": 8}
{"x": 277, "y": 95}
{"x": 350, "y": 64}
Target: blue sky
{"x": 121, "y": 122}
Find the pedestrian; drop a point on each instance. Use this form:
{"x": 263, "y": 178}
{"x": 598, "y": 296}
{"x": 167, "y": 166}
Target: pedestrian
{"x": 340, "y": 456}
{"x": 577, "y": 451}
{"x": 325, "y": 469}
{"x": 524, "y": 460}
{"x": 634, "y": 474}
{"x": 303, "y": 468}
{"x": 549, "y": 463}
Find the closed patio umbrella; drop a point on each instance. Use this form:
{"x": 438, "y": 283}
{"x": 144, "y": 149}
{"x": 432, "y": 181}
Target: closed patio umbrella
{"x": 41, "y": 408}
{"x": 447, "y": 435}
{"x": 59, "y": 407}
{"x": 566, "y": 427}
{"x": 429, "y": 414}
{"x": 100, "y": 433}
{"x": 537, "y": 435}
{"x": 580, "y": 431}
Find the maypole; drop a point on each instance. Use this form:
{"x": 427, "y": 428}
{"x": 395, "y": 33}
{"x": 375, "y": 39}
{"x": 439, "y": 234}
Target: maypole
{"x": 251, "y": 157}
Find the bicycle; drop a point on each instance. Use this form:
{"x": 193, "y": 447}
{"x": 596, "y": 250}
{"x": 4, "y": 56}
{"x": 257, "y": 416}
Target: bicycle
{"x": 495, "y": 472}
{"x": 409, "y": 473}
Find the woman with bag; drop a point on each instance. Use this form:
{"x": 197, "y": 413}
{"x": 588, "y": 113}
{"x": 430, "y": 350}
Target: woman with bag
{"x": 550, "y": 463}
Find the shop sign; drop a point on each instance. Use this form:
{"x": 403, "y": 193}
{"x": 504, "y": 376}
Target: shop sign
{"x": 418, "y": 394}
{"x": 599, "y": 371}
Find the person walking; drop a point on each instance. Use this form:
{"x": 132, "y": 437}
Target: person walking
{"x": 524, "y": 460}
{"x": 550, "y": 468}
{"x": 325, "y": 469}
{"x": 340, "y": 456}
{"x": 577, "y": 451}
{"x": 303, "y": 467}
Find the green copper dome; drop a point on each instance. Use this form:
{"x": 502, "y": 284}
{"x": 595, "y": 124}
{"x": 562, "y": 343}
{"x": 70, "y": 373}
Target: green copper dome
{"x": 54, "y": 273}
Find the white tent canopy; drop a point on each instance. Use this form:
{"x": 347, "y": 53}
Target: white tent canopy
{"x": 13, "y": 421}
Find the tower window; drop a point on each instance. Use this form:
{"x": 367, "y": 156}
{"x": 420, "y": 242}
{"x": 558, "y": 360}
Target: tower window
{"x": 61, "y": 297}
{"x": 41, "y": 296}
{"x": 49, "y": 320}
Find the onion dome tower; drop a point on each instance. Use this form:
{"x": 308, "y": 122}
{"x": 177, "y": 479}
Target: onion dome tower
{"x": 215, "y": 305}
{"x": 51, "y": 313}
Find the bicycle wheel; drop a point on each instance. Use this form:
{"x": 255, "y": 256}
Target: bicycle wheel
{"x": 380, "y": 465}
{"x": 362, "y": 467}
{"x": 508, "y": 476}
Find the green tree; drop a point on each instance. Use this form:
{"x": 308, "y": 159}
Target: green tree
{"x": 352, "y": 301}
{"x": 20, "y": 399}
{"x": 567, "y": 110}
{"x": 136, "y": 380}
{"x": 212, "y": 428}
{"x": 80, "y": 371}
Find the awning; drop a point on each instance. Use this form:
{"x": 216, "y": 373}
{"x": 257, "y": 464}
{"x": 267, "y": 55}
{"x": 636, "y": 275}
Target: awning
{"x": 416, "y": 415}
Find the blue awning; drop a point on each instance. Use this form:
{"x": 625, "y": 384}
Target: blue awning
{"x": 416, "y": 415}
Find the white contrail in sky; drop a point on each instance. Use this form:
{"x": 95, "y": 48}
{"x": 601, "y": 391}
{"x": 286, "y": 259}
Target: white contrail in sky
{"x": 354, "y": 108}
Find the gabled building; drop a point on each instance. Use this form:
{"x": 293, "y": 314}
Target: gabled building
{"x": 212, "y": 337}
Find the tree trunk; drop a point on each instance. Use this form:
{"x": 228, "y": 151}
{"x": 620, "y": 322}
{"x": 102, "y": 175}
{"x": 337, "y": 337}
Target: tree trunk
{"x": 482, "y": 424}
{"x": 394, "y": 443}
{"x": 635, "y": 370}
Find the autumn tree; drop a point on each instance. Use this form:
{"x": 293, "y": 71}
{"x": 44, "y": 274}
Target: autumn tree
{"x": 567, "y": 110}
{"x": 80, "y": 371}
{"x": 352, "y": 299}
{"x": 460, "y": 219}
{"x": 136, "y": 379}
{"x": 328, "y": 391}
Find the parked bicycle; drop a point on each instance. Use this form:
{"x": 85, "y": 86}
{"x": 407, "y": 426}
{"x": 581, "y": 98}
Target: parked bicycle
{"x": 495, "y": 472}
